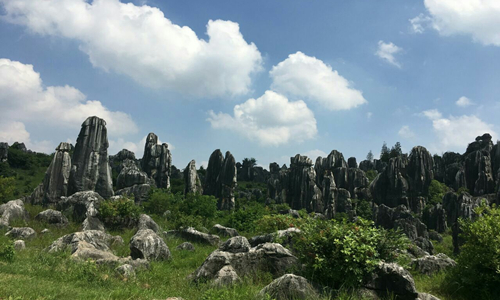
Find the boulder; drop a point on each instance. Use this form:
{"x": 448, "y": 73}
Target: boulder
{"x": 98, "y": 239}
{"x": 186, "y": 246}
{"x": 83, "y": 251}
{"x": 391, "y": 278}
{"x": 81, "y": 205}
{"x": 130, "y": 175}
{"x": 19, "y": 245}
{"x": 90, "y": 170}
{"x": 289, "y": 286}
{"x": 425, "y": 244}
{"x": 196, "y": 236}
{"x": 146, "y": 222}
{"x": 235, "y": 245}
{"x": 157, "y": 161}
{"x": 432, "y": 264}
{"x": 140, "y": 192}
{"x": 126, "y": 271}
{"x": 268, "y": 257}
{"x": 226, "y": 276}
{"x": 52, "y": 217}
{"x": 22, "y": 233}
{"x": 92, "y": 223}
{"x": 225, "y": 231}
{"x": 284, "y": 236}
{"x": 148, "y": 245}
{"x": 192, "y": 182}
{"x": 10, "y": 211}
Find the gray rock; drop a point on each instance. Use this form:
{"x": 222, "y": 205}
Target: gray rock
{"x": 98, "y": 239}
{"x": 22, "y": 233}
{"x": 192, "y": 182}
{"x": 4, "y": 152}
{"x": 435, "y": 218}
{"x": 425, "y": 244}
{"x": 44, "y": 231}
{"x": 146, "y": 222}
{"x": 148, "y": 245}
{"x": 351, "y": 163}
{"x": 392, "y": 278}
{"x": 126, "y": 271}
{"x": 420, "y": 172}
{"x": 196, "y": 236}
{"x": 84, "y": 251}
{"x": 90, "y": 163}
{"x": 140, "y": 192}
{"x": 435, "y": 236}
{"x": 157, "y": 161}
{"x": 53, "y": 217}
{"x": 267, "y": 257}
{"x": 130, "y": 175}
{"x": 291, "y": 212}
{"x": 431, "y": 264}
{"x": 226, "y": 276}
{"x": 92, "y": 223}
{"x": 220, "y": 180}
{"x": 283, "y": 236}
{"x": 81, "y": 205}
{"x": 19, "y": 245}
{"x": 10, "y": 211}
{"x": 235, "y": 245}
{"x": 186, "y": 246}
{"x": 225, "y": 231}
{"x": 289, "y": 286}
{"x": 425, "y": 296}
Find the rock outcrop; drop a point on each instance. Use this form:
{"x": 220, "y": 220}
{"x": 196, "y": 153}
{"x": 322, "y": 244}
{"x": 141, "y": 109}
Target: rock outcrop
{"x": 146, "y": 244}
{"x": 431, "y": 264}
{"x": 81, "y": 205}
{"x": 10, "y": 211}
{"x": 90, "y": 163}
{"x": 157, "y": 161}
{"x": 390, "y": 278}
{"x": 289, "y": 286}
{"x": 130, "y": 175}
{"x": 140, "y": 192}
{"x": 53, "y": 217}
{"x": 4, "y": 152}
{"x": 225, "y": 231}
{"x": 220, "y": 180}
{"x": 22, "y": 233}
{"x": 192, "y": 182}
{"x": 196, "y": 236}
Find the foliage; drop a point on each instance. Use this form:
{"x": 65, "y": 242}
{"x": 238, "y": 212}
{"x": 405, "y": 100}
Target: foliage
{"x": 463, "y": 190}
{"x": 364, "y": 209}
{"x": 342, "y": 253}
{"x": 384, "y": 153}
{"x": 369, "y": 156}
{"x": 273, "y": 223}
{"x": 244, "y": 217}
{"x": 437, "y": 190}
{"x": 249, "y": 162}
{"x": 26, "y": 160}
{"x": 478, "y": 264}
{"x": 177, "y": 185}
{"x": 119, "y": 213}
{"x": 396, "y": 150}
{"x": 7, "y": 253}
{"x": 6, "y": 188}
{"x": 371, "y": 174}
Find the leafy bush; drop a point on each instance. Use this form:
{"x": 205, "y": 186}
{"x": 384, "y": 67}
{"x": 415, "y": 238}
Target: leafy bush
{"x": 7, "y": 253}
{"x": 463, "y": 190}
{"x": 120, "y": 213}
{"x": 364, "y": 209}
{"x": 7, "y": 187}
{"x": 436, "y": 192}
{"x": 342, "y": 253}
{"x": 273, "y": 223}
{"x": 371, "y": 174}
{"x": 478, "y": 264}
{"x": 243, "y": 219}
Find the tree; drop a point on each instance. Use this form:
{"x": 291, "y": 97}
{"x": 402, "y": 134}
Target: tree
{"x": 249, "y": 162}
{"x": 385, "y": 153}
{"x": 396, "y": 150}
{"x": 369, "y": 156}
{"x": 6, "y": 188}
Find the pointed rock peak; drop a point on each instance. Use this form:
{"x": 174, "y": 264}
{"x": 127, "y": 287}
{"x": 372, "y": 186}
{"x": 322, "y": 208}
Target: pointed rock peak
{"x": 65, "y": 147}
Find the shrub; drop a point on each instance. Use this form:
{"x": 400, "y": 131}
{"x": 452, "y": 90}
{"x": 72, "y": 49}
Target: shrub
{"x": 243, "y": 219}
{"x": 7, "y": 253}
{"x": 436, "y": 192}
{"x": 478, "y": 264}
{"x": 7, "y": 187}
{"x": 463, "y": 190}
{"x": 364, "y": 209}
{"x": 273, "y": 223}
{"x": 371, "y": 174}
{"x": 160, "y": 201}
{"x": 339, "y": 253}
{"x": 120, "y": 213}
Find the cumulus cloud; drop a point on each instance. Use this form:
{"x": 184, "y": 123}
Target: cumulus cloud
{"x": 464, "y": 102}
{"x": 139, "y": 41}
{"x": 420, "y": 23}
{"x": 406, "y": 133}
{"x": 271, "y": 120}
{"x": 309, "y": 78}
{"x": 479, "y": 19}
{"x": 454, "y": 133}
{"x": 24, "y": 99}
{"x": 432, "y": 114}
{"x": 386, "y": 51}
{"x": 313, "y": 154}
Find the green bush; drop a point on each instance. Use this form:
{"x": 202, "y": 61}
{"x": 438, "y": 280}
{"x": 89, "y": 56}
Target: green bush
{"x": 478, "y": 264}
{"x": 340, "y": 253}
{"x": 371, "y": 174}
{"x": 160, "y": 201}
{"x": 437, "y": 190}
{"x": 364, "y": 209}
{"x": 273, "y": 223}
{"x": 7, "y": 187}
{"x": 463, "y": 190}
{"x": 7, "y": 253}
{"x": 119, "y": 213}
{"x": 243, "y": 219}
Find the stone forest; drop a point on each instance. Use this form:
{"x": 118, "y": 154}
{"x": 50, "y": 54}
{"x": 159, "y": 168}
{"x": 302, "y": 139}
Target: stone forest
{"x": 99, "y": 226}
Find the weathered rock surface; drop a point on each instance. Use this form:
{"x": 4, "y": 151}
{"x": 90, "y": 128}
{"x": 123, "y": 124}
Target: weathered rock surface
{"x": 10, "y": 211}
{"x": 235, "y": 245}
{"x": 146, "y": 222}
{"x": 284, "y": 236}
{"x": 435, "y": 218}
{"x": 268, "y": 257}
{"x": 19, "y": 245}
{"x": 431, "y": 264}
{"x": 196, "y": 236}
{"x": 98, "y": 239}
{"x": 4, "y": 152}
{"x": 392, "y": 278}
{"x": 130, "y": 175}
{"x": 225, "y": 231}
{"x": 81, "y": 205}
{"x": 22, "y": 233}
{"x": 220, "y": 180}
{"x": 53, "y": 217}
{"x": 191, "y": 180}
{"x": 140, "y": 192}
{"x": 157, "y": 161}
{"x": 289, "y": 286}
{"x": 186, "y": 246}
{"x": 148, "y": 245}
{"x": 226, "y": 276}
{"x": 126, "y": 271}
{"x": 92, "y": 223}
{"x": 90, "y": 163}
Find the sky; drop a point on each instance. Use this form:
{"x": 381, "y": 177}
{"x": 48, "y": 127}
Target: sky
{"x": 263, "y": 79}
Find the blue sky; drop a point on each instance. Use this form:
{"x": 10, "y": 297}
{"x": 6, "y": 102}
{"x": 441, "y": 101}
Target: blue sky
{"x": 263, "y": 79}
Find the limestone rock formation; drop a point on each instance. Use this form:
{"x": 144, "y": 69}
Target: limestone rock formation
{"x": 289, "y": 286}
{"x": 235, "y": 244}
{"x": 221, "y": 179}
{"x": 226, "y": 276}
{"x": 90, "y": 163}
{"x": 81, "y": 205}
{"x": 19, "y": 245}
{"x": 390, "y": 278}
{"x": 148, "y": 245}
{"x": 194, "y": 235}
{"x": 140, "y": 192}
{"x": 187, "y": 246}
{"x": 4, "y": 152}
{"x": 146, "y": 222}
{"x": 22, "y": 233}
{"x": 98, "y": 239}
{"x": 431, "y": 264}
{"x": 51, "y": 216}
{"x": 130, "y": 175}
{"x": 225, "y": 231}
{"x": 192, "y": 182}
{"x": 10, "y": 211}
{"x": 157, "y": 161}
{"x": 435, "y": 218}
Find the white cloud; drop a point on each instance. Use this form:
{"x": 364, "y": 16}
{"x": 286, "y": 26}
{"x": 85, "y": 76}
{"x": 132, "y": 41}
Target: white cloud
{"x": 479, "y": 19}
{"x": 420, "y": 23}
{"x": 432, "y": 114}
{"x": 464, "y": 102}
{"x": 386, "y": 51}
{"x": 141, "y": 42}
{"x": 271, "y": 120}
{"x": 309, "y": 78}
{"x": 24, "y": 100}
{"x": 406, "y": 133}
{"x": 455, "y": 133}
{"x": 313, "y": 154}
{"x": 138, "y": 148}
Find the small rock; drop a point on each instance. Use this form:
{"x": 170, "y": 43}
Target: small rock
{"x": 147, "y": 244}
{"x": 392, "y": 278}
{"x": 236, "y": 245}
{"x": 19, "y": 245}
{"x": 92, "y": 223}
{"x": 51, "y": 216}
{"x": 289, "y": 286}
{"x": 126, "y": 271}
{"x": 194, "y": 235}
{"x": 45, "y": 231}
{"x": 226, "y": 276}
{"x": 225, "y": 231}
{"x": 186, "y": 246}
{"x": 22, "y": 233}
